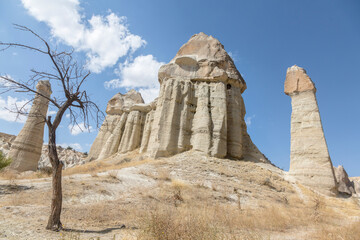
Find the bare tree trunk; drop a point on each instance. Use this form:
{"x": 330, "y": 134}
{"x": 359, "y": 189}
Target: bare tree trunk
{"x": 54, "y": 222}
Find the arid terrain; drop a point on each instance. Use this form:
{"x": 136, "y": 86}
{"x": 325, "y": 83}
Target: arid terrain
{"x": 189, "y": 195}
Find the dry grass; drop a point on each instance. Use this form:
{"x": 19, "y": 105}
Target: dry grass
{"x": 350, "y": 232}
{"x": 102, "y": 166}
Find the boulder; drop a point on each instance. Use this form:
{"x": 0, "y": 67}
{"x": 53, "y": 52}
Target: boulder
{"x": 344, "y": 184}
{"x": 310, "y": 161}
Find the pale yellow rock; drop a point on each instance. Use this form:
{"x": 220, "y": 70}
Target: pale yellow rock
{"x": 112, "y": 130}
{"x": 310, "y": 161}
{"x": 26, "y": 149}
{"x": 131, "y": 139}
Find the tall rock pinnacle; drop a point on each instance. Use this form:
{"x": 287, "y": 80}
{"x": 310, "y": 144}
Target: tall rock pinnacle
{"x": 26, "y": 149}
{"x": 310, "y": 161}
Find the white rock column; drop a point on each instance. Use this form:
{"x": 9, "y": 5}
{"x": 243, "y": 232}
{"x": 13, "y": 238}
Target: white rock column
{"x": 310, "y": 161}
{"x": 26, "y": 149}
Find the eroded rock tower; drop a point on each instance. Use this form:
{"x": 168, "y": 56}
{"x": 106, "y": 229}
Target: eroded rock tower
{"x": 310, "y": 161}
{"x": 26, "y": 149}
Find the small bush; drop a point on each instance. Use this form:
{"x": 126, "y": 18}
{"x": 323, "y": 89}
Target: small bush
{"x": 69, "y": 148}
{"x": 4, "y": 161}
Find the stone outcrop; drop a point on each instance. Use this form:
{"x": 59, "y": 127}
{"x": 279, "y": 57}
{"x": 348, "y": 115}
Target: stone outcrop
{"x": 310, "y": 161}
{"x": 68, "y": 156}
{"x": 345, "y": 186}
{"x": 121, "y": 130}
{"x": 200, "y": 107}
{"x": 26, "y": 149}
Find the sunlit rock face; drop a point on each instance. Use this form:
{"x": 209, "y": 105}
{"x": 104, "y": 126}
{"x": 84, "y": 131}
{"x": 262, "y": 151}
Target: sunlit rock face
{"x": 200, "y": 105}
{"x": 120, "y": 126}
{"x": 310, "y": 161}
{"x": 26, "y": 149}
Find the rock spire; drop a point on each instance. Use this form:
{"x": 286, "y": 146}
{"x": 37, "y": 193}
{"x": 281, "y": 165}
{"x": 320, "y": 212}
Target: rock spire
{"x": 310, "y": 161}
{"x": 26, "y": 149}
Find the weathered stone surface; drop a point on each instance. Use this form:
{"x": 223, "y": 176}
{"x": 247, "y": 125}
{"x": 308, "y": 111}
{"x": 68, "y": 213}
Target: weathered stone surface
{"x": 112, "y": 130}
{"x": 344, "y": 184}
{"x": 310, "y": 161}
{"x": 131, "y": 138}
{"x": 297, "y": 81}
{"x": 200, "y": 105}
{"x": 357, "y": 187}
{"x": 26, "y": 148}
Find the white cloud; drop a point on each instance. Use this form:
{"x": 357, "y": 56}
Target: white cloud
{"x": 4, "y": 83}
{"x": 75, "y": 146}
{"x": 104, "y": 39}
{"x": 142, "y": 73}
{"x": 12, "y": 104}
{"x": 80, "y": 128}
{"x": 249, "y": 119}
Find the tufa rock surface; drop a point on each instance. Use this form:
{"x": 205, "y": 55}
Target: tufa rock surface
{"x": 200, "y": 107}
{"x": 310, "y": 161}
{"x": 26, "y": 149}
{"x": 344, "y": 184}
{"x": 121, "y": 130}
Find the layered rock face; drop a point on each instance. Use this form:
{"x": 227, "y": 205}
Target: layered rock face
{"x": 26, "y": 149}
{"x": 200, "y": 107}
{"x": 310, "y": 161}
{"x": 122, "y": 127}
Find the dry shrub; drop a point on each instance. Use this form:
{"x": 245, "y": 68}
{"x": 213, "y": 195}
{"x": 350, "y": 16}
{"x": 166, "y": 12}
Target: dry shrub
{"x": 169, "y": 223}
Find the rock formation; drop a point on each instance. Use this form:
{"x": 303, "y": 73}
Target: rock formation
{"x": 344, "y": 184}
{"x": 200, "y": 107}
{"x": 120, "y": 126}
{"x": 310, "y": 161}
{"x": 26, "y": 149}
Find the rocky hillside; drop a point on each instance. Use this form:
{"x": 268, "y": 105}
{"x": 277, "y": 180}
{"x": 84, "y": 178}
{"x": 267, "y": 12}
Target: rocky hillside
{"x": 69, "y": 156}
{"x": 130, "y": 196}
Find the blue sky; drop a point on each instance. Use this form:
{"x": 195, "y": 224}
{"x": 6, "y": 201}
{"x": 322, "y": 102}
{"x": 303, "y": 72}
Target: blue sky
{"x": 124, "y": 43}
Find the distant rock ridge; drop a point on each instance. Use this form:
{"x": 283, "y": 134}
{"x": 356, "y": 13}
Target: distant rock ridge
{"x": 68, "y": 156}
{"x": 310, "y": 161}
{"x": 200, "y": 107}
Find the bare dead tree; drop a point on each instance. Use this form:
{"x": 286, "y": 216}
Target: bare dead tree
{"x": 70, "y": 76}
